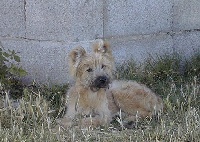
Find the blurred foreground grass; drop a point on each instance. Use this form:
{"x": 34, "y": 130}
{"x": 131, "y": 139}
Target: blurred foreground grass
{"x": 177, "y": 81}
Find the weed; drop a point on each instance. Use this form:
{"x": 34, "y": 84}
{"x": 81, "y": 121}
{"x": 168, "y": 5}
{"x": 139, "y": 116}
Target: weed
{"x": 10, "y": 72}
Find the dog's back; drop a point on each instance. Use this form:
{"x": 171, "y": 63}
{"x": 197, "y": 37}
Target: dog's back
{"x": 135, "y": 99}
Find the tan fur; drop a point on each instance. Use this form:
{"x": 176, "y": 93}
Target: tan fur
{"x": 136, "y": 100}
{"x": 98, "y": 102}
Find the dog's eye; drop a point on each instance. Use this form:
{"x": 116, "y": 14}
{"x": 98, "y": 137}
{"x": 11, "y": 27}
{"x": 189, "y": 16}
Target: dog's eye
{"x": 89, "y": 70}
{"x": 103, "y": 66}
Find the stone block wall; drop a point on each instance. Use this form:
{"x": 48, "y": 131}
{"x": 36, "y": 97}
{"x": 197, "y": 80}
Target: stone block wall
{"x": 44, "y": 31}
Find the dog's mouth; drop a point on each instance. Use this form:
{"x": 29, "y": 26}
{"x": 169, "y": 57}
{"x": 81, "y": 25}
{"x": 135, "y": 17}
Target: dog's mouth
{"x": 100, "y": 82}
{"x": 95, "y": 89}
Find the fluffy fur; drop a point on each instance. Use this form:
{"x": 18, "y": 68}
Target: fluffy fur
{"x": 97, "y": 98}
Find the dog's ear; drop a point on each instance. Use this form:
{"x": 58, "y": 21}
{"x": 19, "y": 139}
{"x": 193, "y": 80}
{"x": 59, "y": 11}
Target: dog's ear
{"x": 75, "y": 57}
{"x": 102, "y": 47}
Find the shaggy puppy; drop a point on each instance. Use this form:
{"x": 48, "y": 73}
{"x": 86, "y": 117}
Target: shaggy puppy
{"x": 96, "y": 97}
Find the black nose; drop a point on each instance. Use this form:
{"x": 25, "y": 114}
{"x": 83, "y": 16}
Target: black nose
{"x": 103, "y": 79}
{"x": 101, "y": 82}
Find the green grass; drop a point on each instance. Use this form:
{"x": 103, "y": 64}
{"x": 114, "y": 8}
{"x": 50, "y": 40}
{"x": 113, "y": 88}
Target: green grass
{"x": 176, "y": 81}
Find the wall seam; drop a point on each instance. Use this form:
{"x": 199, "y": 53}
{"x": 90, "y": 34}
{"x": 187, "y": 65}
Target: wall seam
{"x": 172, "y": 27}
{"x": 25, "y": 18}
{"x": 104, "y": 10}
{"x": 171, "y": 33}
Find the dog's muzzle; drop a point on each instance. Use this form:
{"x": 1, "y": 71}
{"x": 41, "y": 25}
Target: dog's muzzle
{"x": 100, "y": 82}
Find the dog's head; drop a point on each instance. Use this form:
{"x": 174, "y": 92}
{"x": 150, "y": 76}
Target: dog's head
{"x": 94, "y": 70}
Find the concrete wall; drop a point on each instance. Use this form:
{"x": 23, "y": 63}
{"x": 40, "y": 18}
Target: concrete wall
{"x": 44, "y": 31}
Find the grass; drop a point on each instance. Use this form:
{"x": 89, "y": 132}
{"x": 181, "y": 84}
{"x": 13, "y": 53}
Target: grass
{"x": 177, "y": 82}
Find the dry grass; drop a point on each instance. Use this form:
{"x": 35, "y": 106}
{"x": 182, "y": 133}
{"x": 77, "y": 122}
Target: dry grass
{"x": 34, "y": 118}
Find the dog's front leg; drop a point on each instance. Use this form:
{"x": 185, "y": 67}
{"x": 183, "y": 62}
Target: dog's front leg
{"x": 67, "y": 120}
{"x": 102, "y": 117}
{"x": 104, "y": 114}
